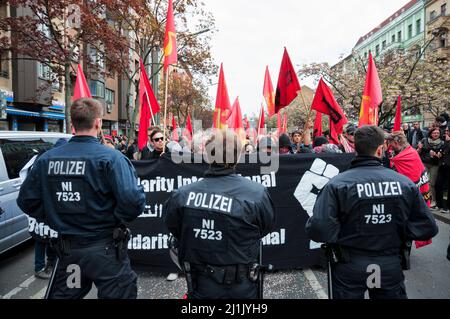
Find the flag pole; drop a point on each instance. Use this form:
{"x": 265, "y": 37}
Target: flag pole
{"x": 151, "y": 110}
{"x": 309, "y": 111}
{"x": 259, "y": 121}
{"x": 165, "y": 106}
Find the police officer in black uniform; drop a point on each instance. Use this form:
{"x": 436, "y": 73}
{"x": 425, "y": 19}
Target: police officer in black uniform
{"x": 366, "y": 214}
{"x": 218, "y": 223}
{"x": 85, "y": 192}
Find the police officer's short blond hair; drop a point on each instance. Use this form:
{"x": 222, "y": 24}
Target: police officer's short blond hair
{"x": 223, "y": 148}
{"x": 83, "y": 113}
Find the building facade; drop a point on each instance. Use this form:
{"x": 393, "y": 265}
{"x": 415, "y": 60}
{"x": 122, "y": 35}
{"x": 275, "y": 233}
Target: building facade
{"x": 401, "y": 31}
{"x": 437, "y": 26}
{"x": 30, "y": 106}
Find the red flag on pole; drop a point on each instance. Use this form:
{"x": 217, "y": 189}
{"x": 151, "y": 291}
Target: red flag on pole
{"x": 398, "y": 115}
{"x": 223, "y": 108}
{"x": 235, "y": 119}
{"x": 174, "y": 130}
{"x": 170, "y": 39}
{"x": 149, "y": 106}
{"x": 188, "y": 128}
{"x": 269, "y": 94}
{"x": 279, "y": 124}
{"x": 288, "y": 84}
{"x": 372, "y": 96}
{"x": 318, "y": 125}
{"x": 81, "y": 87}
{"x": 324, "y": 102}
{"x": 261, "y": 122}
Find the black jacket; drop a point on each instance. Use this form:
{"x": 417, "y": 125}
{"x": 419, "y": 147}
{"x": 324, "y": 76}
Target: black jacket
{"x": 220, "y": 219}
{"x": 82, "y": 188}
{"x": 371, "y": 208}
{"x": 445, "y": 159}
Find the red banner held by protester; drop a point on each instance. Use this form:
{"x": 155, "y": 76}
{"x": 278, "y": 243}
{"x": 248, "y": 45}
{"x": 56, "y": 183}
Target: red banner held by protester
{"x": 398, "y": 115}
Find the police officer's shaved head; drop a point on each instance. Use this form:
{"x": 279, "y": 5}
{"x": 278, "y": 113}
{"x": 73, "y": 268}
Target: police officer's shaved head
{"x": 83, "y": 113}
{"x": 368, "y": 139}
{"x": 223, "y": 148}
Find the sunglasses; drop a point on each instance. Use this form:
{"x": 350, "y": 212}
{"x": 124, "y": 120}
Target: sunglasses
{"x": 158, "y": 139}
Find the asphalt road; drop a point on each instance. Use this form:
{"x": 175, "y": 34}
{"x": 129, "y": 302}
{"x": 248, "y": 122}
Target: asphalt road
{"x": 428, "y": 279}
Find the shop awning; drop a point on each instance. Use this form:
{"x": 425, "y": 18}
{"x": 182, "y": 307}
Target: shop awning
{"x": 14, "y": 111}
{"x": 48, "y": 115}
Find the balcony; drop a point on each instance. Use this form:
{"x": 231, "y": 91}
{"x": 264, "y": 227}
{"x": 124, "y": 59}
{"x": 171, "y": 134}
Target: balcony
{"x": 442, "y": 20}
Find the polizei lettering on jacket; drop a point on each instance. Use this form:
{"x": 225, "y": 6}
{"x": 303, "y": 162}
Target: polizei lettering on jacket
{"x": 210, "y": 201}
{"x": 380, "y": 189}
{"x": 66, "y": 167}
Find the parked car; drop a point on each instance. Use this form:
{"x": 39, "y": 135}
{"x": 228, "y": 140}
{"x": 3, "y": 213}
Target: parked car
{"x": 16, "y": 149}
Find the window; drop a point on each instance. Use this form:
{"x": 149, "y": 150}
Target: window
{"x": 399, "y": 36}
{"x": 443, "y": 9}
{"x": 432, "y": 15}
{"x": 418, "y": 26}
{"x": 377, "y": 50}
{"x": 365, "y": 56}
{"x": 3, "y": 11}
{"x": 442, "y": 41}
{"x": 393, "y": 38}
{"x": 109, "y": 96}
{"x": 4, "y": 65}
{"x": 96, "y": 58}
{"x": 410, "y": 31}
{"x": 44, "y": 71}
{"x": 97, "y": 88}
{"x": 18, "y": 152}
{"x": 383, "y": 45}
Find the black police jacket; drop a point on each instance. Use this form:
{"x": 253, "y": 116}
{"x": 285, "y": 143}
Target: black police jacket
{"x": 371, "y": 208}
{"x": 82, "y": 189}
{"x": 220, "y": 219}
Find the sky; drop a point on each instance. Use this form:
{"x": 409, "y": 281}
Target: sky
{"x": 252, "y": 34}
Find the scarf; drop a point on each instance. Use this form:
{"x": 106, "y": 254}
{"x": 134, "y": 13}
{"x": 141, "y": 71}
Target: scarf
{"x": 409, "y": 164}
{"x": 434, "y": 143}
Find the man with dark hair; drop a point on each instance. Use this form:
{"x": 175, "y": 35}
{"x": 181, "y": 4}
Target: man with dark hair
{"x": 157, "y": 139}
{"x": 365, "y": 215}
{"x": 85, "y": 192}
{"x": 441, "y": 123}
{"x": 146, "y": 152}
{"x": 219, "y": 222}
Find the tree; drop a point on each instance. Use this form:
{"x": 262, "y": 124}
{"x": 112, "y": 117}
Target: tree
{"x": 145, "y": 21}
{"x": 56, "y": 34}
{"x": 418, "y": 75}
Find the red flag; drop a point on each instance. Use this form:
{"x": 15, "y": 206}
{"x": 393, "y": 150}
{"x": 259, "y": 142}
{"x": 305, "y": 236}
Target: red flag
{"x": 170, "y": 39}
{"x": 288, "y": 84}
{"x": 318, "y": 125}
{"x": 372, "y": 96}
{"x": 81, "y": 87}
{"x": 279, "y": 128}
{"x": 261, "y": 121}
{"x": 174, "y": 130}
{"x": 149, "y": 106}
{"x": 268, "y": 93}
{"x": 146, "y": 94}
{"x": 187, "y": 132}
{"x": 324, "y": 102}
{"x": 235, "y": 119}
{"x": 223, "y": 107}
{"x": 398, "y": 115}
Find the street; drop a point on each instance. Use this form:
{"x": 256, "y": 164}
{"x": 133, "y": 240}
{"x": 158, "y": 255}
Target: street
{"x": 428, "y": 278}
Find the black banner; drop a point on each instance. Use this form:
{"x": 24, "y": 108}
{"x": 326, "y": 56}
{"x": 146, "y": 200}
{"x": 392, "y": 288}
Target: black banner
{"x": 293, "y": 187}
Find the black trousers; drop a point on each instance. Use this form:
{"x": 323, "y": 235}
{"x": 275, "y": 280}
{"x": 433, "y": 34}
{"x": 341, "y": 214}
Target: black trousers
{"x": 96, "y": 263}
{"x": 350, "y": 280}
{"x": 443, "y": 183}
